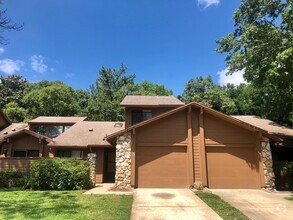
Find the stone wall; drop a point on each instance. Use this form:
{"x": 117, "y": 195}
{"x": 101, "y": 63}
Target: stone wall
{"x": 123, "y": 162}
{"x": 266, "y": 156}
{"x": 92, "y": 157}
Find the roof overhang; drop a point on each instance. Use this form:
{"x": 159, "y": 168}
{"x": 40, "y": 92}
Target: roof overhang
{"x": 25, "y": 131}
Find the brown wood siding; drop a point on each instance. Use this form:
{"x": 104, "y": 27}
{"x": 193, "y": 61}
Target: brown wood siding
{"x": 170, "y": 130}
{"x": 220, "y": 132}
{"x": 196, "y": 146}
{"x": 233, "y": 168}
{"x": 21, "y": 164}
{"x": 3, "y": 122}
{"x": 156, "y": 111}
{"x": 100, "y": 165}
{"x": 162, "y": 167}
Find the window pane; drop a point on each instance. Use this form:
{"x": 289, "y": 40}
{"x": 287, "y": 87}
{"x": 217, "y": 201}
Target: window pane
{"x": 19, "y": 153}
{"x": 63, "y": 153}
{"x": 139, "y": 116}
{"x": 40, "y": 129}
{"x": 76, "y": 154}
{"x": 33, "y": 153}
{"x": 66, "y": 127}
{"x": 54, "y": 131}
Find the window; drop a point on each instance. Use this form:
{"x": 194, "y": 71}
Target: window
{"x": 26, "y": 153}
{"x": 141, "y": 115}
{"x": 54, "y": 131}
{"x": 69, "y": 153}
{"x": 19, "y": 153}
{"x": 41, "y": 129}
{"x": 33, "y": 153}
{"x": 66, "y": 127}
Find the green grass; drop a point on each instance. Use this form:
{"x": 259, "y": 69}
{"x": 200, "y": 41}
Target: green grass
{"x": 222, "y": 208}
{"x": 290, "y": 198}
{"x": 18, "y": 204}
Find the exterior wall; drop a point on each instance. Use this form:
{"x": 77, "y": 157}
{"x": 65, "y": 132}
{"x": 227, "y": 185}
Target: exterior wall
{"x": 222, "y": 133}
{"x": 123, "y": 162}
{"x": 196, "y": 145}
{"x": 91, "y": 157}
{"x": 169, "y": 130}
{"x": 156, "y": 111}
{"x": 267, "y": 162}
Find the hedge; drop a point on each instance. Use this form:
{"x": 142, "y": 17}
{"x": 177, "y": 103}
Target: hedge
{"x": 59, "y": 174}
{"x": 12, "y": 178}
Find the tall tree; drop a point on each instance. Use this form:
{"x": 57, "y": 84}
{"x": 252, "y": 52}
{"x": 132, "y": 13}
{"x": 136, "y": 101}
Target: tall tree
{"x": 204, "y": 91}
{"x": 107, "y": 92}
{"x": 150, "y": 89}
{"x": 54, "y": 100}
{"x": 262, "y": 45}
{"x": 12, "y": 89}
{"x": 7, "y": 25}
{"x": 15, "y": 113}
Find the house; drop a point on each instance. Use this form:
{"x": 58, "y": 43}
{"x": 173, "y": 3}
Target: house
{"x": 163, "y": 143}
{"x": 188, "y": 145}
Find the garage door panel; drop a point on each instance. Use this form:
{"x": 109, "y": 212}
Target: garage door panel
{"x": 230, "y": 167}
{"x": 161, "y": 167}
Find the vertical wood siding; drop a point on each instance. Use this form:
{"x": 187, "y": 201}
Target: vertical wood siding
{"x": 196, "y": 146}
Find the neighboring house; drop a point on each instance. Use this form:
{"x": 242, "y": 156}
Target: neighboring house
{"x": 163, "y": 143}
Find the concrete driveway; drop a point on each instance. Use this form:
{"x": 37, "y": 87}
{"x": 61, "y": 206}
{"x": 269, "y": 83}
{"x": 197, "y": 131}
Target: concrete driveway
{"x": 259, "y": 204}
{"x": 169, "y": 204}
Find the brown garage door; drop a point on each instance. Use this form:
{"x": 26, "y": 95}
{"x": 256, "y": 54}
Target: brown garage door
{"x": 161, "y": 167}
{"x": 232, "y": 167}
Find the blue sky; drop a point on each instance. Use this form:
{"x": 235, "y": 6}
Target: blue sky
{"x": 162, "y": 41}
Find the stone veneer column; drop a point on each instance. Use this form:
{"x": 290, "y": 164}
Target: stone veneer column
{"x": 92, "y": 157}
{"x": 123, "y": 162}
{"x": 266, "y": 156}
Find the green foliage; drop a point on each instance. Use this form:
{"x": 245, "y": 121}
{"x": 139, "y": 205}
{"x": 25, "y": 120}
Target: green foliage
{"x": 11, "y": 178}
{"x": 56, "y": 99}
{"x": 14, "y": 112}
{"x": 149, "y": 89}
{"x": 262, "y": 45}
{"x": 222, "y": 208}
{"x": 59, "y": 174}
{"x": 204, "y": 91}
{"x": 12, "y": 89}
{"x": 63, "y": 205}
{"x": 106, "y": 94}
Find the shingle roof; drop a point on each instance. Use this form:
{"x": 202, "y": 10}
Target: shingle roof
{"x": 58, "y": 120}
{"x": 150, "y": 101}
{"x": 87, "y": 133}
{"x": 271, "y": 127}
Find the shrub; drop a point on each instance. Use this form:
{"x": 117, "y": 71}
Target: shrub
{"x": 12, "y": 178}
{"x": 59, "y": 174}
{"x": 284, "y": 175}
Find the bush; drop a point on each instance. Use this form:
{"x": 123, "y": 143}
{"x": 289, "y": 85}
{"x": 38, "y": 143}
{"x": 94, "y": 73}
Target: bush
{"x": 59, "y": 174}
{"x": 284, "y": 175}
{"x": 12, "y": 178}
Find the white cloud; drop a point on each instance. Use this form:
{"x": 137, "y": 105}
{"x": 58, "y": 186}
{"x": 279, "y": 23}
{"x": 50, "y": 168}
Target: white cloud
{"x": 235, "y": 78}
{"x": 37, "y": 64}
{"x": 52, "y": 69}
{"x": 70, "y": 75}
{"x": 9, "y": 66}
{"x": 208, "y": 3}
{"x": 2, "y": 50}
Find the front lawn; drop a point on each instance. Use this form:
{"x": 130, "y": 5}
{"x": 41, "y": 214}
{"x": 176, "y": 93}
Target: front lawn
{"x": 290, "y": 198}
{"x": 18, "y": 204}
{"x": 222, "y": 208}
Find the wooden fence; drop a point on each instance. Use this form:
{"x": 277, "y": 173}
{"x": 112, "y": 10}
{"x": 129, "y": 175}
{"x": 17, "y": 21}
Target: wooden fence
{"x": 13, "y": 163}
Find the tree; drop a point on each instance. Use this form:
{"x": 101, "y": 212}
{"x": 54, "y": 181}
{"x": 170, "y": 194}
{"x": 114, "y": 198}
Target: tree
{"x": 204, "y": 91}
{"x": 12, "y": 89}
{"x": 57, "y": 99}
{"x": 262, "y": 45}
{"x": 7, "y": 25}
{"x": 82, "y": 101}
{"x": 107, "y": 92}
{"x": 150, "y": 89}
{"x": 15, "y": 113}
